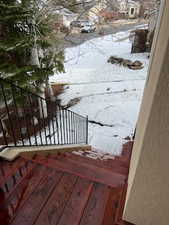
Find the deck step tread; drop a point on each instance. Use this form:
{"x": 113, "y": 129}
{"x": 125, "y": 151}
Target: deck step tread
{"x": 95, "y": 209}
{"x": 37, "y": 200}
{"x": 92, "y": 173}
{"x": 55, "y": 206}
{"x": 12, "y": 169}
{"x": 21, "y": 192}
{"x": 77, "y": 203}
{"x": 116, "y": 168}
{"x": 14, "y": 182}
{"x": 64, "y": 189}
{"x": 112, "y": 206}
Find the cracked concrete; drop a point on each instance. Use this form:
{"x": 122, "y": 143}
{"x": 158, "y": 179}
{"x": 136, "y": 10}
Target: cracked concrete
{"x": 101, "y": 124}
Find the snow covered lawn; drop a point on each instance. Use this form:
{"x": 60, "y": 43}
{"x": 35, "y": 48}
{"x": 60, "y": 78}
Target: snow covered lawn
{"x": 110, "y": 94}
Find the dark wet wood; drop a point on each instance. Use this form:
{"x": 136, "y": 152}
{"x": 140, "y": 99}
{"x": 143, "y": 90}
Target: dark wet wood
{"x": 79, "y": 160}
{"x": 95, "y": 209}
{"x": 121, "y": 205}
{"x": 100, "y": 175}
{"x": 24, "y": 188}
{"x": 10, "y": 169}
{"x": 64, "y": 190}
{"x": 76, "y": 205}
{"x": 110, "y": 164}
{"x": 54, "y": 208}
{"x": 113, "y": 203}
{"x": 36, "y": 201}
{"x": 16, "y": 182}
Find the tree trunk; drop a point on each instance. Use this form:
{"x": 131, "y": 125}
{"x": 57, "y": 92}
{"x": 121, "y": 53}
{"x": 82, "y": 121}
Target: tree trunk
{"x": 50, "y": 91}
{"x": 4, "y": 127}
{"x": 42, "y": 103}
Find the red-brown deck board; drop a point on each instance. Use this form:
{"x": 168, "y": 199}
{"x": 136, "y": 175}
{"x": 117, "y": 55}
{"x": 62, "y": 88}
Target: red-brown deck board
{"x": 8, "y": 169}
{"x": 54, "y": 208}
{"x": 64, "y": 190}
{"x": 20, "y": 183}
{"x": 89, "y": 172}
{"x": 113, "y": 203}
{"x": 31, "y": 209}
{"x": 113, "y": 166}
{"x": 95, "y": 209}
{"x": 76, "y": 204}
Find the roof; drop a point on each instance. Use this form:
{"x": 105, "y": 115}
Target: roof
{"x": 64, "y": 11}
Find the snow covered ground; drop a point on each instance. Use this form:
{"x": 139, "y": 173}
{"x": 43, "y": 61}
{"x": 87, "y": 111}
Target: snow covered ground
{"x": 110, "y": 94}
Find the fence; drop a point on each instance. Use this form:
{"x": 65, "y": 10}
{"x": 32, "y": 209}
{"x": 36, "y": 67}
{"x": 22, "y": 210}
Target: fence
{"x": 27, "y": 119}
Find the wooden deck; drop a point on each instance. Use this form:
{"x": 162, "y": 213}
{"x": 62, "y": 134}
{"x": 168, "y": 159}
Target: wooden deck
{"x": 64, "y": 189}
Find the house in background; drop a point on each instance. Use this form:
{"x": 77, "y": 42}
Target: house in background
{"x": 115, "y": 10}
{"x": 122, "y": 6}
{"x": 143, "y": 38}
{"x": 128, "y": 8}
{"x": 109, "y": 15}
{"x": 65, "y": 16}
{"x": 94, "y": 12}
{"x": 133, "y": 9}
{"x": 85, "y": 5}
{"x": 146, "y": 7}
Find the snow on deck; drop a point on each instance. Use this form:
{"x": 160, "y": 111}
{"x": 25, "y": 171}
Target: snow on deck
{"x": 110, "y": 94}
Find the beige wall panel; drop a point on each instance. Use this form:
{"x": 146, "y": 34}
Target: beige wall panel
{"x": 148, "y": 194}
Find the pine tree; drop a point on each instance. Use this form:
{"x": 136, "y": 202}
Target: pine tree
{"x": 26, "y": 53}
{"x": 73, "y": 6}
{"x": 15, "y": 40}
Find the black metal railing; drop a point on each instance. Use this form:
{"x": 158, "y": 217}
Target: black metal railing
{"x": 26, "y": 119}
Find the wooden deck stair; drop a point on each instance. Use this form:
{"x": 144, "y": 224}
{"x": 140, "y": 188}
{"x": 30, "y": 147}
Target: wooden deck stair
{"x": 63, "y": 190}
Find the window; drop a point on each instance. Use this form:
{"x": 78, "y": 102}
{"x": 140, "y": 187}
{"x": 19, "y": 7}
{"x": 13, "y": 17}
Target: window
{"x": 132, "y": 11}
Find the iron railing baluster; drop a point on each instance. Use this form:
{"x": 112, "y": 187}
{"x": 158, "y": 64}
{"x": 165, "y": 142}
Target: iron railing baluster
{"x": 25, "y": 119}
{"x": 9, "y": 118}
{"x": 39, "y": 126}
{"x": 72, "y": 129}
{"x": 57, "y": 125}
{"x": 74, "y": 125}
{"x": 77, "y": 135}
{"x": 35, "y": 125}
{"x": 43, "y": 118}
{"x": 53, "y": 127}
{"x": 67, "y": 126}
{"x": 61, "y": 127}
{"x": 87, "y": 129}
{"x": 63, "y": 119}
{"x": 4, "y": 133}
{"x": 16, "y": 113}
{"x": 49, "y": 128}
{"x": 32, "y": 119}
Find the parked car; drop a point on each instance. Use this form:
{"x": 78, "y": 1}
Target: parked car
{"x": 84, "y": 25}
{"x": 76, "y": 23}
{"x": 88, "y": 28}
